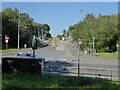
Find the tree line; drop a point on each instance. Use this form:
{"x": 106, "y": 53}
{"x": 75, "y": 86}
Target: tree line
{"x": 12, "y": 19}
{"x": 103, "y": 29}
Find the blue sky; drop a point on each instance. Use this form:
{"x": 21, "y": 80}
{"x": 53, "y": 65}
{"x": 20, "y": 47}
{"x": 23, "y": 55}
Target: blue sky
{"x": 61, "y": 15}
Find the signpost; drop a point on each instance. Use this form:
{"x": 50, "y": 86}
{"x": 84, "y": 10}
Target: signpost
{"x": 6, "y": 41}
{"x": 117, "y": 51}
{"x": 79, "y": 42}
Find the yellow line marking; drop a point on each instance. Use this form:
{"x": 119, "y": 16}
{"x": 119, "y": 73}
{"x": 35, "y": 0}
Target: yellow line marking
{"x": 69, "y": 52}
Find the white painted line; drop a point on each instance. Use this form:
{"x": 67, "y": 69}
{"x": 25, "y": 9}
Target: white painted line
{"x": 75, "y": 62}
{"x": 99, "y": 68}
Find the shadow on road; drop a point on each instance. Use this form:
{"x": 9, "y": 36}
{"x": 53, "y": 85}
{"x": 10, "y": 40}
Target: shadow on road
{"x": 57, "y": 67}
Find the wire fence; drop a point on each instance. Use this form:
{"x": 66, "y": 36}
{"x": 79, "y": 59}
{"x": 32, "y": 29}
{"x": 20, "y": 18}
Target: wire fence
{"x": 87, "y": 72}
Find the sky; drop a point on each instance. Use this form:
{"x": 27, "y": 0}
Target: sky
{"x": 60, "y": 15}
{"x": 60, "y": 0}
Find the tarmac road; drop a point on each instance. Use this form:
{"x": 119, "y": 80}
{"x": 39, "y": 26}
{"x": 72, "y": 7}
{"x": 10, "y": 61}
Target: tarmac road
{"x": 60, "y": 54}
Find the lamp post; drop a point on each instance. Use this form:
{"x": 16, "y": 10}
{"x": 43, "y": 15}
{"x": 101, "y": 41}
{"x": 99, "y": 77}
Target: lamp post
{"x": 79, "y": 43}
{"x": 117, "y": 51}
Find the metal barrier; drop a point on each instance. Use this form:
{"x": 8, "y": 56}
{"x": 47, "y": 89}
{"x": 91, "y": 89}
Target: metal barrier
{"x": 89, "y": 72}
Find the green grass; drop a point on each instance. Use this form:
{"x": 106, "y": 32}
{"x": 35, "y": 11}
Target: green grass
{"x": 15, "y": 81}
{"x": 9, "y": 50}
{"x": 106, "y": 55}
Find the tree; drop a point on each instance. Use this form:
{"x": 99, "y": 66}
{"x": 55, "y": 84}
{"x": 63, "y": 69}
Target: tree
{"x": 103, "y": 28}
{"x": 28, "y": 27}
{"x": 9, "y": 26}
{"x": 46, "y": 29}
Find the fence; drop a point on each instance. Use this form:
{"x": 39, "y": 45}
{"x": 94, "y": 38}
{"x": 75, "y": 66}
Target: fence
{"x": 88, "y": 72}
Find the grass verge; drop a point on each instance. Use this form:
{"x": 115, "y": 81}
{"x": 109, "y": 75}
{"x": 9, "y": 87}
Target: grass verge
{"x": 106, "y": 55}
{"x": 16, "y": 81}
{"x": 9, "y": 50}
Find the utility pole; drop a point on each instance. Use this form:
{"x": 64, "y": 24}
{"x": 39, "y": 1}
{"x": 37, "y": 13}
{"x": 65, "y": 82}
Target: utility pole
{"x": 18, "y": 30}
{"x": 42, "y": 35}
{"x": 93, "y": 44}
{"x": 39, "y": 35}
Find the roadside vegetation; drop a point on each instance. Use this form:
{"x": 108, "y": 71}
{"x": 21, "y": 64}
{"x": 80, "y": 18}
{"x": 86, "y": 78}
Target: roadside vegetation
{"x": 104, "y": 29}
{"x": 111, "y": 56}
{"x": 9, "y": 50}
{"x": 15, "y": 81}
{"x": 12, "y": 18}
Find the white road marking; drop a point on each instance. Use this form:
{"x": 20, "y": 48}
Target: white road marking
{"x": 98, "y": 69}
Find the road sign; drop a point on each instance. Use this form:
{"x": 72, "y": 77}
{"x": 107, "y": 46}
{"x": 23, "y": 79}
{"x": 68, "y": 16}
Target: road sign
{"x": 79, "y": 40}
{"x": 6, "y": 38}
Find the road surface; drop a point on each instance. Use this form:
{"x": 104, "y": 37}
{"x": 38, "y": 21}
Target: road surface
{"x": 62, "y": 56}
{"x": 59, "y": 57}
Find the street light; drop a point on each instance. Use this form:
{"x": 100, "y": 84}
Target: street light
{"x": 117, "y": 51}
{"x": 79, "y": 42}
{"x": 81, "y": 10}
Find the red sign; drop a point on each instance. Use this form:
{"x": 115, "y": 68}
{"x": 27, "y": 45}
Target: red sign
{"x": 6, "y": 38}
{"x": 79, "y": 40}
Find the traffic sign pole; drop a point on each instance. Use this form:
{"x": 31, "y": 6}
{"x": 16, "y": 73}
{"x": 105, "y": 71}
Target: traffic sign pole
{"x": 117, "y": 56}
{"x": 79, "y": 42}
{"x": 6, "y": 47}
{"x": 6, "y": 41}
{"x": 78, "y": 60}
